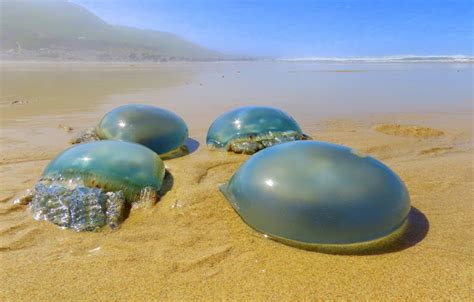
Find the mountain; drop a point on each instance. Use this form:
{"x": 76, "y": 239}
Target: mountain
{"x": 57, "y": 29}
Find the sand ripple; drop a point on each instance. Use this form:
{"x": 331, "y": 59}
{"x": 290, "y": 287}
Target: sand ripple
{"x": 407, "y": 130}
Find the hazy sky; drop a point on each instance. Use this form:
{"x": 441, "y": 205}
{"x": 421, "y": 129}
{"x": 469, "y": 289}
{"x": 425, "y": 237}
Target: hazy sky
{"x": 292, "y": 28}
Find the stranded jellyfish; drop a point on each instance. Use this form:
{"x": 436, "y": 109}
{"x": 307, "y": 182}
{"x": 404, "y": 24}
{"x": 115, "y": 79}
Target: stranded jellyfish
{"x": 88, "y": 185}
{"x": 158, "y": 129}
{"x": 249, "y": 129}
{"x": 319, "y": 195}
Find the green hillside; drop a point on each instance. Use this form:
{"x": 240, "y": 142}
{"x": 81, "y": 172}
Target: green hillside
{"x": 61, "y": 27}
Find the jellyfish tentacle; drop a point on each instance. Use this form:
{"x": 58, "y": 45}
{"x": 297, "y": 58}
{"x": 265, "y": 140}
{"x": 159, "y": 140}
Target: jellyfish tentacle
{"x": 148, "y": 198}
{"x": 88, "y": 135}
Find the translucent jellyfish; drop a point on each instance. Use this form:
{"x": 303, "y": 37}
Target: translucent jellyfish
{"x": 89, "y": 185}
{"x": 158, "y": 129}
{"x": 318, "y": 195}
{"x": 249, "y": 129}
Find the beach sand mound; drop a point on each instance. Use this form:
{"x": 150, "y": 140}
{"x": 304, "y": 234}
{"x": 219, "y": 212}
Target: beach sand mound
{"x": 408, "y": 130}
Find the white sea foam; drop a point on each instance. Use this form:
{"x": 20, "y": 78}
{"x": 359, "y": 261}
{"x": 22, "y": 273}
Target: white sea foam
{"x": 388, "y": 59}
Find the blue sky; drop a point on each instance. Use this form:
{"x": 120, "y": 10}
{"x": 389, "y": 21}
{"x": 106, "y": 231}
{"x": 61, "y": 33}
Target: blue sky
{"x": 303, "y": 28}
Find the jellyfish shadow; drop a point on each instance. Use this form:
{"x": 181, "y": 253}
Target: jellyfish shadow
{"x": 190, "y": 146}
{"x": 411, "y": 233}
{"x": 416, "y": 229}
{"x": 166, "y": 186}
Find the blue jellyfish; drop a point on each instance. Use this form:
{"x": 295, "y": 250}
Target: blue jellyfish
{"x": 319, "y": 195}
{"x": 249, "y": 129}
{"x": 158, "y": 129}
{"x": 89, "y": 185}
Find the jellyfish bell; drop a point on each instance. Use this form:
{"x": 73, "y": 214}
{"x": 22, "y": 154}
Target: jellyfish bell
{"x": 110, "y": 165}
{"x": 319, "y": 196}
{"x": 89, "y": 185}
{"x": 156, "y": 128}
{"x": 252, "y": 128}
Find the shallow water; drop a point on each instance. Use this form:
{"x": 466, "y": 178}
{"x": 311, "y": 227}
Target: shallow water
{"x": 304, "y": 89}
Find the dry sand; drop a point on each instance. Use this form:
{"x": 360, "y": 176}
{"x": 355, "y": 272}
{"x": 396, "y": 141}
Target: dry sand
{"x": 193, "y": 246}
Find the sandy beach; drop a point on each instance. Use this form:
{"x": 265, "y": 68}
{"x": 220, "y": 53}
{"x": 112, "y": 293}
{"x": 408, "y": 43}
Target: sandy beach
{"x": 192, "y": 245}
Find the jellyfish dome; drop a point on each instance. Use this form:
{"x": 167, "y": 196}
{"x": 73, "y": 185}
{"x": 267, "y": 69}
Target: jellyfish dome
{"x": 110, "y": 165}
{"x": 88, "y": 185}
{"x": 252, "y": 128}
{"x": 158, "y": 129}
{"x": 314, "y": 194}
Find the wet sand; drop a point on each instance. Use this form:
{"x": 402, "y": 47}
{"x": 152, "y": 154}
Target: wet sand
{"x": 192, "y": 245}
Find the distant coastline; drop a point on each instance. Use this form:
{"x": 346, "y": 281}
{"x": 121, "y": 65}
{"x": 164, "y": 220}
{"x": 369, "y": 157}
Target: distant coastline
{"x": 106, "y": 56}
